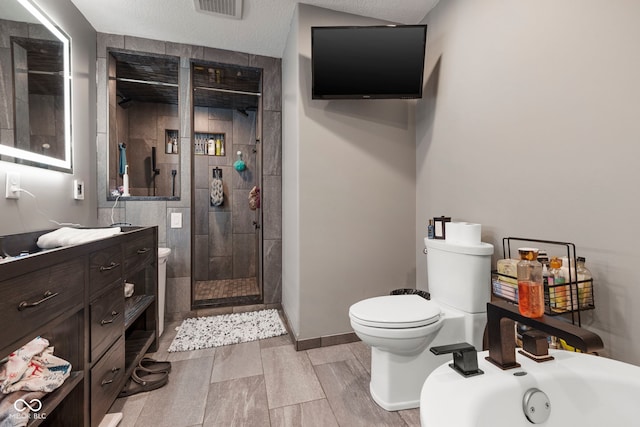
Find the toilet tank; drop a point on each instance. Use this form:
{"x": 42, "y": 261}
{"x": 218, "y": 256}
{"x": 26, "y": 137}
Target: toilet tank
{"x": 460, "y": 274}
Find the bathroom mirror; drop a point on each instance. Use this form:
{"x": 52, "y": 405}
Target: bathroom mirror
{"x": 35, "y": 101}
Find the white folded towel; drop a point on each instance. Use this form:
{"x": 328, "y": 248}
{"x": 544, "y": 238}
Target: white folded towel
{"x": 67, "y": 236}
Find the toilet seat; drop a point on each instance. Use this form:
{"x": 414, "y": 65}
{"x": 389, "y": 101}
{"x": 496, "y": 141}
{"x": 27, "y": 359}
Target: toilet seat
{"x": 395, "y": 312}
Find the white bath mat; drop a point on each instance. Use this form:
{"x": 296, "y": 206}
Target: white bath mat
{"x": 215, "y": 331}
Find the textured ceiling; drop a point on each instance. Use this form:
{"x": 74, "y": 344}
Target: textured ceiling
{"x": 262, "y": 30}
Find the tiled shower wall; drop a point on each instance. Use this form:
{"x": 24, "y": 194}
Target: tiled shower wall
{"x": 225, "y": 246}
{"x": 142, "y": 126}
{"x": 156, "y": 211}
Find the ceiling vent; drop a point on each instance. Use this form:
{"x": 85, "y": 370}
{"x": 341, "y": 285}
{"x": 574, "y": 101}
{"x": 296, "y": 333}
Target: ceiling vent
{"x": 225, "y": 8}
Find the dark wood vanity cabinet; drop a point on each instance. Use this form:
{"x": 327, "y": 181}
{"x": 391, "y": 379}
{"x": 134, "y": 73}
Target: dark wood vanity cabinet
{"x": 74, "y": 297}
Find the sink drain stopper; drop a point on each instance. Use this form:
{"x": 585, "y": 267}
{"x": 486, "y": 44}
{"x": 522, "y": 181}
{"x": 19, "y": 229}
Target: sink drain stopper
{"x": 536, "y": 406}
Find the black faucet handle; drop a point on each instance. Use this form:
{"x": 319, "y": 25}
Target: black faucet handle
{"x": 451, "y": 348}
{"x": 465, "y": 358}
{"x": 535, "y": 346}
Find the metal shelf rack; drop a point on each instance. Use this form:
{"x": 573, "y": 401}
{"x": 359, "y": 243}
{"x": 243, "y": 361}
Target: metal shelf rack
{"x": 560, "y": 299}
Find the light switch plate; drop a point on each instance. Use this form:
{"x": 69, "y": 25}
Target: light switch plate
{"x": 176, "y": 220}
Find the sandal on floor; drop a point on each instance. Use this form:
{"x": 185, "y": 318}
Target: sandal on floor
{"x": 152, "y": 365}
{"x": 142, "y": 381}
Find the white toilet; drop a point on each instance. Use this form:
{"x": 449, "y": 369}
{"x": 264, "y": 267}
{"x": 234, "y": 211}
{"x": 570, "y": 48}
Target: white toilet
{"x": 400, "y": 329}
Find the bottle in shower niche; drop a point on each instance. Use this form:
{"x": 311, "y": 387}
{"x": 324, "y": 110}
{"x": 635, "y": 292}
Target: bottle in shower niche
{"x": 530, "y": 289}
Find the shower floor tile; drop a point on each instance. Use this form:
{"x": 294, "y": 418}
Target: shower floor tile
{"x": 227, "y": 288}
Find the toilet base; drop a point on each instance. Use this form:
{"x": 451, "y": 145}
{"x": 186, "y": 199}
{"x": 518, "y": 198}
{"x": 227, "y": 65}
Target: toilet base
{"x": 396, "y": 379}
{"x": 393, "y": 406}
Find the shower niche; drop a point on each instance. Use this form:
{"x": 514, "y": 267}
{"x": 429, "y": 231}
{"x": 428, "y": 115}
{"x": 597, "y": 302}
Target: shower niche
{"x": 144, "y": 125}
{"x": 227, "y": 176}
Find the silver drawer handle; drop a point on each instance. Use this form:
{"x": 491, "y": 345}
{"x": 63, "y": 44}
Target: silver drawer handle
{"x": 45, "y": 297}
{"x": 114, "y": 315}
{"x": 110, "y": 266}
{"x": 143, "y": 251}
{"x": 114, "y": 371}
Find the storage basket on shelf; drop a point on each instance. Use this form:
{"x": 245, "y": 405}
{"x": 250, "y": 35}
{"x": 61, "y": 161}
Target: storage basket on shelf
{"x": 570, "y": 298}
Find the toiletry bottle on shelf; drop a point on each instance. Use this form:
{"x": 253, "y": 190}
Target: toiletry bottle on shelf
{"x": 125, "y": 182}
{"x": 218, "y": 147}
{"x": 211, "y": 147}
{"x": 222, "y": 146}
{"x": 545, "y": 285}
{"x": 543, "y": 259}
{"x": 430, "y": 230}
{"x": 557, "y": 289}
{"x": 530, "y": 289}
{"x": 585, "y": 283}
{"x": 568, "y": 271}
{"x": 169, "y": 147}
{"x": 174, "y": 146}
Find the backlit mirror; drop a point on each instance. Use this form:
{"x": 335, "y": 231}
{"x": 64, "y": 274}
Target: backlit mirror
{"x": 35, "y": 88}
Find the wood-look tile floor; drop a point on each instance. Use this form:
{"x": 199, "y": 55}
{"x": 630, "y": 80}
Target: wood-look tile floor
{"x": 227, "y": 288}
{"x": 262, "y": 383}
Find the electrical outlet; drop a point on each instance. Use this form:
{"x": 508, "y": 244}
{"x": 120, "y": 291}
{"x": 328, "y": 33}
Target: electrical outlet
{"x": 13, "y": 185}
{"x": 78, "y": 189}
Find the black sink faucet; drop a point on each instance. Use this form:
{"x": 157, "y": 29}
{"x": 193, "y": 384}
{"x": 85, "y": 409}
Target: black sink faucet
{"x": 465, "y": 358}
{"x": 500, "y": 330}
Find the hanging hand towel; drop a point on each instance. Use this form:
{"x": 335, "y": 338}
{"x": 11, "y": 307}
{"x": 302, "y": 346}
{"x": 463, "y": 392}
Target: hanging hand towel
{"x": 217, "y": 193}
{"x": 123, "y": 158}
{"x": 254, "y": 198}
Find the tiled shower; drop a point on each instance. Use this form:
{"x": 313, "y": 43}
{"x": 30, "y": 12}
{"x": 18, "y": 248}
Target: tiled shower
{"x": 226, "y": 264}
{"x": 157, "y": 210}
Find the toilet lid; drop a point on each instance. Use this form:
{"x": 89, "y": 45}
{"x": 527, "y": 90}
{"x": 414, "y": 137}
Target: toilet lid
{"x": 395, "y": 311}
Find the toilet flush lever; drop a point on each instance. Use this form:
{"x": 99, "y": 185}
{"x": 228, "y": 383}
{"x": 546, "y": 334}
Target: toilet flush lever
{"x": 465, "y": 358}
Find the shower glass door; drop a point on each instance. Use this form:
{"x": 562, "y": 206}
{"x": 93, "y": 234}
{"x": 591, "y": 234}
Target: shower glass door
{"x": 226, "y": 267}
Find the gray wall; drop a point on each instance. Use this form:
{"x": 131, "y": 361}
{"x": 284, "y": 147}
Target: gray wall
{"x": 54, "y": 190}
{"x": 158, "y": 212}
{"x": 529, "y": 126}
{"x": 349, "y": 192}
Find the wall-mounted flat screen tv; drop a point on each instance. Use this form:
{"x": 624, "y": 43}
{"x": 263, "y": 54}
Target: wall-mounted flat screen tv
{"x": 368, "y": 62}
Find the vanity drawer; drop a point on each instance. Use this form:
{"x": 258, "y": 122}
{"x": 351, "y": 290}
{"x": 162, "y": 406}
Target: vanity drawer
{"x": 107, "y": 320}
{"x": 139, "y": 252}
{"x": 105, "y": 267}
{"x": 32, "y": 300}
{"x": 107, "y": 379}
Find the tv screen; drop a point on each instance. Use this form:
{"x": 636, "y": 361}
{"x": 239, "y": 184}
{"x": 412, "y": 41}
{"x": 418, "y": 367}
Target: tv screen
{"x": 367, "y": 62}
